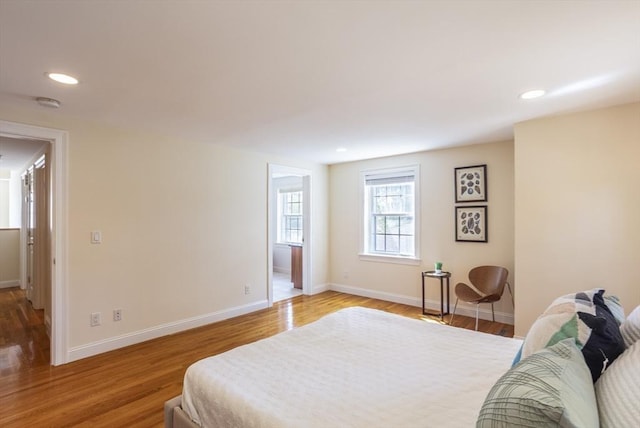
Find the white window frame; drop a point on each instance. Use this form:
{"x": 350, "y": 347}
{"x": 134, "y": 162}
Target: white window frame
{"x": 365, "y": 254}
{"x": 281, "y": 215}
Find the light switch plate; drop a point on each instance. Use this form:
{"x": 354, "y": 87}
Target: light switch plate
{"x": 96, "y": 237}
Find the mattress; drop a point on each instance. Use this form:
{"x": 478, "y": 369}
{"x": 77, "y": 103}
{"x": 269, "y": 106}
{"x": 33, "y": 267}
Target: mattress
{"x": 357, "y": 367}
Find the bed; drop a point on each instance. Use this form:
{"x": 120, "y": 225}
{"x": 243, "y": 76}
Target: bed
{"x": 357, "y": 367}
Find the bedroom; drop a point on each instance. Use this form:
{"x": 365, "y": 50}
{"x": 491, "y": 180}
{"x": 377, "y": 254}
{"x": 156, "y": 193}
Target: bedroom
{"x": 163, "y": 276}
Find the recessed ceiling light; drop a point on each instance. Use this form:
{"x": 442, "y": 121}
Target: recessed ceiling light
{"x": 529, "y": 95}
{"x": 63, "y": 78}
{"x": 341, "y": 149}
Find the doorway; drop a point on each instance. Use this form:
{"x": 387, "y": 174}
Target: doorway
{"x": 54, "y": 261}
{"x": 289, "y": 232}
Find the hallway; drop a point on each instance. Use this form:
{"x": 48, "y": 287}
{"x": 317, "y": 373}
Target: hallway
{"x": 283, "y": 287}
{"x": 24, "y": 343}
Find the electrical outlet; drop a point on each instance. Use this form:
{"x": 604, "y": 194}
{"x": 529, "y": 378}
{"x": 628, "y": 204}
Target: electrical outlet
{"x": 247, "y": 289}
{"x": 117, "y": 314}
{"x": 95, "y": 319}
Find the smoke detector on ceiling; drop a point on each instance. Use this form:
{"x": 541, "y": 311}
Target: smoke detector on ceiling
{"x": 48, "y": 102}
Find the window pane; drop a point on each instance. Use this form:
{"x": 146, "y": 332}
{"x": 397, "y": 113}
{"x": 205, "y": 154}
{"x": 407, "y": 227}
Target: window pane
{"x": 394, "y": 190}
{"x": 408, "y": 204}
{"x": 392, "y": 225}
{"x": 379, "y": 224}
{"x": 406, "y": 225}
{"x": 406, "y": 244}
{"x": 379, "y": 204}
{"x": 379, "y": 243}
{"x": 393, "y": 244}
{"x": 379, "y": 191}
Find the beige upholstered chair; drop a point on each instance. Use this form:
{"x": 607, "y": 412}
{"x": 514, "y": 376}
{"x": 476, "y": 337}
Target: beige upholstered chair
{"x": 488, "y": 285}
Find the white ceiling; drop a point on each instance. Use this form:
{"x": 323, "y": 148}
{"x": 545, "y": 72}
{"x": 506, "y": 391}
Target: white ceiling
{"x": 302, "y": 78}
{"x": 15, "y": 154}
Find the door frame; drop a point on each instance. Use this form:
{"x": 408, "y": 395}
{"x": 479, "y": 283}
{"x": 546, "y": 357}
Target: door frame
{"x": 59, "y": 206}
{"x": 272, "y": 206}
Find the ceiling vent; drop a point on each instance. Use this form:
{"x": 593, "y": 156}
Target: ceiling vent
{"x": 48, "y": 102}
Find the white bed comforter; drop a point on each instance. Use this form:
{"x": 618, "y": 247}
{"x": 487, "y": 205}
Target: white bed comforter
{"x": 357, "y": 367}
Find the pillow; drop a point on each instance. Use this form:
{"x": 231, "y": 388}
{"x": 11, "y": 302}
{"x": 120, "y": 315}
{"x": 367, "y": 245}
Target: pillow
{"x": 615, "y": 307}
{"x": 630, "y": 328}
{"x": 552, "y": 387}
{"x": 618, "y": 391}
{"x": 584, "y": 317}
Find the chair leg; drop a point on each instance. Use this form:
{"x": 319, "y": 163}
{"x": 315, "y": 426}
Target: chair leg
{"x": 513, "y": 302}
{"x": 477, "y": 307}
{"x": 493, "y": 315}
{"x": 454, "y": 312}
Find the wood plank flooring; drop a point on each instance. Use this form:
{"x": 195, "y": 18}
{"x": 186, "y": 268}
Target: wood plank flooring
{"x": 128, "y": 387}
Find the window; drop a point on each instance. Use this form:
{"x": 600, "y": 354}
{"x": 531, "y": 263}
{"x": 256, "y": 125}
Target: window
{"x": 390, "y": 217}
{"x": 290, "y": 209}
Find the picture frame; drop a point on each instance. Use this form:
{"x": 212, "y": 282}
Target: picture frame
{"x": 471, "y": 223}
{"x": 471, "y": 183}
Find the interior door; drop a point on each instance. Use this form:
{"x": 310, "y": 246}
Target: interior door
{"x": 29, "y": 225}
{"x": 37, "y": 225}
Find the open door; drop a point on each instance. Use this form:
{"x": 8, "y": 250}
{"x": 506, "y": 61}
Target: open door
{"x": 28, "y": 224}
{"x": 37, "y": 208}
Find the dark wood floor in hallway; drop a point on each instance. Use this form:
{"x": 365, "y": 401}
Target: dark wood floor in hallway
{"x": 128, "y": 386}
{"x": 23, "y": 339}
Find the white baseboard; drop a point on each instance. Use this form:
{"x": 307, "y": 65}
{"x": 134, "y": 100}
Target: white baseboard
{"x": 9, "y": 284}
{"x": 321, "y": 288}
{"x": 101, "y": 346}
{"x": 434, "y": 305}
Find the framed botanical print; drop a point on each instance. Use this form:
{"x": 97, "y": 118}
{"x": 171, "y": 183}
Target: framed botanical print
{"x": 471, "y": 224}
{"x": 471, "y": 183}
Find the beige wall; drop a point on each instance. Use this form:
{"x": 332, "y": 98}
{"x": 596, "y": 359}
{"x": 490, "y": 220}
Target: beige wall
{"x": 4, "y": 198}
{"x": 184, "y": 228}
{"x": 577, "y": 208}
{"x": 402, "y": 282}
{"x": 9, "y": 257}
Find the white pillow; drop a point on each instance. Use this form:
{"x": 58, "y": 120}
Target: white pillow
{"x": 618, "y": 391}
{"x": 630, "y": 328}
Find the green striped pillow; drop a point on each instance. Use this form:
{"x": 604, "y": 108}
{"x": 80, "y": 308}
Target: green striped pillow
{"x": 552, "y": 387}
{"x": 630, "y": 328}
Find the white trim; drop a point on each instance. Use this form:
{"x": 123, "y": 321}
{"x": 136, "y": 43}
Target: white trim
{"x": 413, "y": 170}
{"x": 433, "y": 305}
{"x": 380, "y": 295}
{"x": 59, "y": 141}
{"x": 307, "y": 287}
{"x": 106, "y": 345}
{"x": 320, "y": 288}
{"x": 9, "y": 284}
{"x": 390, "y": 259}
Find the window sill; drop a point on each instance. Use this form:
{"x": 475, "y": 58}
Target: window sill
{"x": 390, "y": 259}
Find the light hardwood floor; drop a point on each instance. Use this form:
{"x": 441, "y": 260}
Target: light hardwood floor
{"x": 128, "y": 387}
